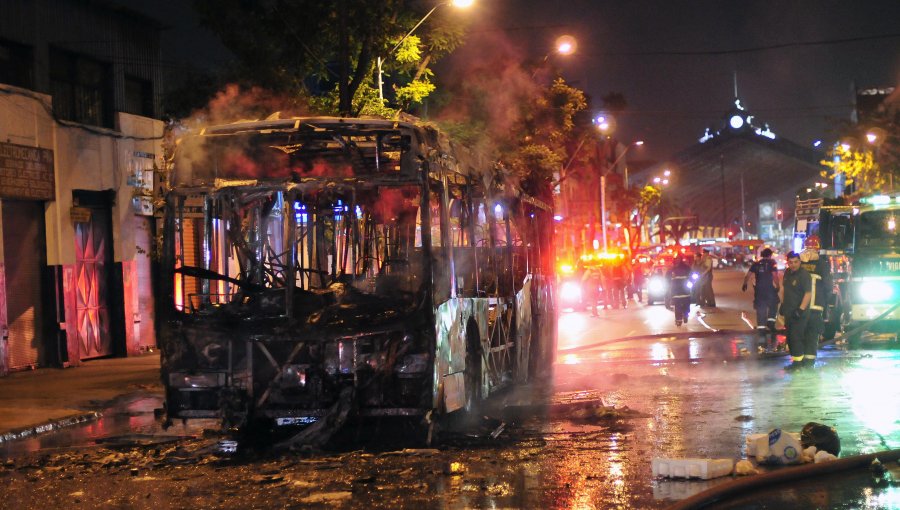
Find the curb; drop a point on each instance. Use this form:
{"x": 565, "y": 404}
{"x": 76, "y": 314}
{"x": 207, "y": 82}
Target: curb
{"x": 48, "y": 426}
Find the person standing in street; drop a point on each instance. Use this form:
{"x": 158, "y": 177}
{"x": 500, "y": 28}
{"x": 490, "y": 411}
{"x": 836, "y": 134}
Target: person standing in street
{"x": 679, "y": 277}
{"x": 820, "y": 272}
{"x": 765, "y": 295}
{"x": 707, "y": 298}
{"x": 797, "y": 293}
{"x": 637, "y": 281}
{"x": 590, "y": 284}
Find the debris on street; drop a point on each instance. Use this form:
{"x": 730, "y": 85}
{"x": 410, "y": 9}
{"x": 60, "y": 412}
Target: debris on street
{"x": 703, "y": 469}
{"x": 745, "y": 467}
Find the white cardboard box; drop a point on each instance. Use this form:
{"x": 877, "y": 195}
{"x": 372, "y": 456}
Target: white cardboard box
{"x": 754, "y": 440}
{"x": 692, "y": 468}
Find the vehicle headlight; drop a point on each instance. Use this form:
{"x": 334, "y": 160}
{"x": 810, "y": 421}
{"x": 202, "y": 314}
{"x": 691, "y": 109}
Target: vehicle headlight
{"x": 570, "y": 291}
{"x": 656, "y": 285}
{"x": 695, "y": 276}
{"x": 876, "y": 291}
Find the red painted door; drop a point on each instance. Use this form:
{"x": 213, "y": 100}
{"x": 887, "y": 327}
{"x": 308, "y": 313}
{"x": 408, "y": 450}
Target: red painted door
{"x": 92, "y": 249}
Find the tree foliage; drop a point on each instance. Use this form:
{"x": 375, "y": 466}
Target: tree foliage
{"x": 639, "y": 201}
{"x": 870, "y": 158}
{"x": 858, "y": 167}
{"x": 329, "y": 49}
{"x": 545, "y": 135}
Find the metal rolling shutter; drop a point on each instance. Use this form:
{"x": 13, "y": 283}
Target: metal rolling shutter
{"x": 23, "y": 245}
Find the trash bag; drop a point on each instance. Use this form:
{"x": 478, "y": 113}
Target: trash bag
{"x": 821, "y": 436}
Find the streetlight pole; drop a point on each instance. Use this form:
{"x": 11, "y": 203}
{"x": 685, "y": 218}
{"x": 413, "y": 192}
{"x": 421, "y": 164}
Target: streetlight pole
{"x": 660, "y": 182}
{"x": 722, "y": 173}
{"x": 380, "y": 61}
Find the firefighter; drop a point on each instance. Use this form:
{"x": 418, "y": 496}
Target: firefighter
{"x": 638, "y": 279}
{"x": 591, "y": 282}
{"x": 618, "y": 281}
{"x": 765, "y": 294}
{"x": 679, "y": 278}
{"x": 796, "y": 288}
{"x": 706, "y": 296}
{"x": 820, "y": 272}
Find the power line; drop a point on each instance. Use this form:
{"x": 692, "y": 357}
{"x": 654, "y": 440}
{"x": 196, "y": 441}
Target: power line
{"x": 752, "y": 49}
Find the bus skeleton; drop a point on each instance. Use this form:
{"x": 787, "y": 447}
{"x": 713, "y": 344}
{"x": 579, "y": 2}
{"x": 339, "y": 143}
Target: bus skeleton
{"x": 315, "y": 269}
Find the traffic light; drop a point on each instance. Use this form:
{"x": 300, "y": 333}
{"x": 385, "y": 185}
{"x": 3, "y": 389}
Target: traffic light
{"x": 779, "y": 215}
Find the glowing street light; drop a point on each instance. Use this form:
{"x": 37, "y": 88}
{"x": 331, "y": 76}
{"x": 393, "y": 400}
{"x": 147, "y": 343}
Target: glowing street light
{"x": 459, "y": 4}
{"x": 566, "y": 45}
{"x": 661, "y": 181}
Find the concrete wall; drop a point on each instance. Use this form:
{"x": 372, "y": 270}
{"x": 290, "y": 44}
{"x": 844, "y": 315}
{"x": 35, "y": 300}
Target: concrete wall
{"x": 96, "y": 159}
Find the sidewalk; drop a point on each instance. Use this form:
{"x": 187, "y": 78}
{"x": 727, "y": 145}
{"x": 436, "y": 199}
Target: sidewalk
{"x": 47, "y": 398}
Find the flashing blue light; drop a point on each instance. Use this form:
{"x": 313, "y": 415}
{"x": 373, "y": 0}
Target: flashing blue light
{"x": 817, "y": 143}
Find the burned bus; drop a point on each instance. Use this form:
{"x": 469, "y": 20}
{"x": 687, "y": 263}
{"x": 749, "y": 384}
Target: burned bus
{"x": 313, "y": 267}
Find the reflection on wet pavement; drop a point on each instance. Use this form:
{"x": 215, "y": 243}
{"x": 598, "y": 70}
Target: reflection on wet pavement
{"x": 130, "y": 419}
{"x": 588, "y": 441}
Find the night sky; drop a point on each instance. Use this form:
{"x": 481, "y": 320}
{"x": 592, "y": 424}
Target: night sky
{"x": 675, "y": 61}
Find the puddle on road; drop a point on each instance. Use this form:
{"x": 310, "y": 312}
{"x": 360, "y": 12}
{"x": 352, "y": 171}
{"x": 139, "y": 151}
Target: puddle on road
{"x": 129, "y": 420}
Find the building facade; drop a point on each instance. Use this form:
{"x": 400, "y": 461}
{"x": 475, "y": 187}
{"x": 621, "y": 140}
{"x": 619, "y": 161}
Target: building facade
{"x": 79, "y": 90}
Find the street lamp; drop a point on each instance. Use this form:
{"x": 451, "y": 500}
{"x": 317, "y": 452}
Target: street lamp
{"x": 460, "y": 4}
{"x": 565, "y": 45}
{"x": 660, "y": 181}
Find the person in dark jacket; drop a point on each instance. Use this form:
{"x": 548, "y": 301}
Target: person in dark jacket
{"x": 765, "y": 294}
{"x": 797, "y": 293}
{"x": 820, "y": 271}
{"x": 679, "y": 278}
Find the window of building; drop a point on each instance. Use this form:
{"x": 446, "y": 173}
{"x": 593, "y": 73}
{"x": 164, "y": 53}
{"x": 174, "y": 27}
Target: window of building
{"x": 16, "y": 65}
{"x": 81, "y": 88}
{"x": 138, "y": 96}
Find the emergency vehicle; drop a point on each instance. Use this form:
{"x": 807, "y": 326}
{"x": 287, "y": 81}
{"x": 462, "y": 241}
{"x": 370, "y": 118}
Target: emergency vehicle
{"x": 862, "y": 244}
{"x": 875, "y": 281}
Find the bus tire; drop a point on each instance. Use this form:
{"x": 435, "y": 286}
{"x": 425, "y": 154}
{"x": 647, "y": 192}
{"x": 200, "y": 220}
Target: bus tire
{"x": 473, "y": 367}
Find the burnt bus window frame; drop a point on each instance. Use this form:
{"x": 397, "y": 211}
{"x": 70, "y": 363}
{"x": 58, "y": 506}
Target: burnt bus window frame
{"x": 340, "y": 243}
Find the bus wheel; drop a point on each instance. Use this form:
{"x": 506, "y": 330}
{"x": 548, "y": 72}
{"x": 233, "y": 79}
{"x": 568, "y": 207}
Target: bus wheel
{"x": 473, "y": 368}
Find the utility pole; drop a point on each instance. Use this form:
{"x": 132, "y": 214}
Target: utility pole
{"x": 603, "y": 209}
{"x": 722, "y": 172}
{"x": 743, "y": 208}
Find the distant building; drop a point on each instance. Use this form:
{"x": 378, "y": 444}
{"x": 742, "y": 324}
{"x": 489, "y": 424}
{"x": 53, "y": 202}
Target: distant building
{"x": 740, "y": 178}
{"x": 80, "y": 84}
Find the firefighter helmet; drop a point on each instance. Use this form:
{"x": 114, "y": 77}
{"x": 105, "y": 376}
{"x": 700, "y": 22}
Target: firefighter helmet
{"x": 812, "y": 242}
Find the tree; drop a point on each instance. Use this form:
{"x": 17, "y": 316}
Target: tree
{"x": 328, "y": 50}
{"x": 858, "y": 166}
{"x": 639, "y": 201}
{"x": 870, "y": 158}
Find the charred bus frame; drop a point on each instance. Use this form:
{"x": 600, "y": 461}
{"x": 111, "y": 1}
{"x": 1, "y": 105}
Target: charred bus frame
{"x": 322, "y": 265}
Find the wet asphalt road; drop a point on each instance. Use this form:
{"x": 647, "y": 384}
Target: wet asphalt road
{"x": 662, "y": 397}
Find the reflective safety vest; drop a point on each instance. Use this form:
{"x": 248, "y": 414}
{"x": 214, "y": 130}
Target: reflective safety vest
{"x": 819, "y": 271}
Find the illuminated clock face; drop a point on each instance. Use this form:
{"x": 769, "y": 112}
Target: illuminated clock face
{"x": 767, "y": 210}
{"x": 736, "y": 121}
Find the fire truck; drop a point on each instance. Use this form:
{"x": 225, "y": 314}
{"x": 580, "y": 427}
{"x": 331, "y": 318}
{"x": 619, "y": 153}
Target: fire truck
{"x": 862, "y": 244}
